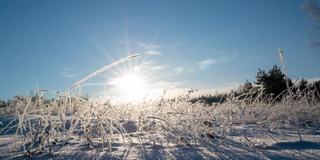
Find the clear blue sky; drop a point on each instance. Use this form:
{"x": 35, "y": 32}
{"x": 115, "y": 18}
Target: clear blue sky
{"x": 199, "y": 44}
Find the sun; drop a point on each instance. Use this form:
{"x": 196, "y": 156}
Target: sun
{"x": 130, "y": 86}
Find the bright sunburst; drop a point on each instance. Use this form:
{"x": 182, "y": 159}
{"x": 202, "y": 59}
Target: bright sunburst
{"x": 131, "y": 86}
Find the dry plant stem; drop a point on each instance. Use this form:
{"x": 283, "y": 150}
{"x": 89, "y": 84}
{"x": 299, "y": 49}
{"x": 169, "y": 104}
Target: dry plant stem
{"x": 281, "y": 53}
{"x": 274, "y": 139}
{"x": 78, "y": 83}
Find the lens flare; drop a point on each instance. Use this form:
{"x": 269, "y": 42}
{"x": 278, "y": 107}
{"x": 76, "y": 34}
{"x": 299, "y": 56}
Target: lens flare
{"x": 131, "y": 86}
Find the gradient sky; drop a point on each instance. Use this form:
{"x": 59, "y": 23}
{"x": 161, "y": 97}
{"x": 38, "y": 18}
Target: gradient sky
{"x": 183, "y": 44}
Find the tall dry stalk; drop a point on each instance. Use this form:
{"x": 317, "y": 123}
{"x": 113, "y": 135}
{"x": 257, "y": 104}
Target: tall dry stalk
{"x": 78, "y": 83}
{"x": 284, "y": 70}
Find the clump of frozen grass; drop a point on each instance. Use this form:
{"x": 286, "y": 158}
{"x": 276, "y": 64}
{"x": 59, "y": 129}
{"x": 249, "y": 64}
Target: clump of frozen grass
{"x": 42, "y": 126}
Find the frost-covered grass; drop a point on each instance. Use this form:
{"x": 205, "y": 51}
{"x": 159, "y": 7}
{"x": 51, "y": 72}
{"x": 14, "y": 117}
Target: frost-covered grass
{"x": 240, "y": 127}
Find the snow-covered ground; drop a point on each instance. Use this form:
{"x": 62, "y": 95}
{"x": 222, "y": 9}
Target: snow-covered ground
{"x": 242, "y": 142}
{"x": 77, "y": 129}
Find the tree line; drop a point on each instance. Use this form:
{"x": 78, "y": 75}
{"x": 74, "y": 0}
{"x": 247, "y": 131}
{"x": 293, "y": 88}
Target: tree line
{"x": 271, "y": 85}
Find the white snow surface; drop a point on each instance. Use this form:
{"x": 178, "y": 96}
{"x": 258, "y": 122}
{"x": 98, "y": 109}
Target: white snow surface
{"x": 76, "y": 129}
{"x": 242, "y": 142}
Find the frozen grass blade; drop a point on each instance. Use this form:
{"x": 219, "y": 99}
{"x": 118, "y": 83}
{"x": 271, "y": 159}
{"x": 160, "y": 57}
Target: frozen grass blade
{"x": 78, "y": 83}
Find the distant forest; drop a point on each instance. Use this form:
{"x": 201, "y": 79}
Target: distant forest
{"x": 272, "y": 85}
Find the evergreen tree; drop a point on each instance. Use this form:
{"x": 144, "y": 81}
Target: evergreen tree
{"x": 247, "y": 87}
{"x": 303, "y": 84}
{"x": 2, "y": 104}
{"x": 273, "y": 81}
